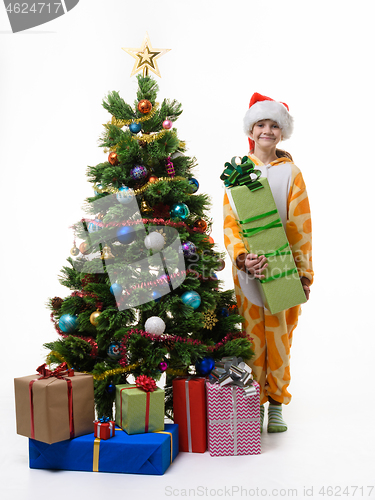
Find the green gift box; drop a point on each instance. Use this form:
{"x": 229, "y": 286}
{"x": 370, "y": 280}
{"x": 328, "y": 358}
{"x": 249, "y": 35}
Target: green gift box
{"x": 138, "y": 411}
{"x": 263, "y": 234}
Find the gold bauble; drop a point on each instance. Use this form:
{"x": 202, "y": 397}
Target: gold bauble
{"x": 107, "y": 253}
{"x": 94, "y": 317}
{"x": 145, "y": 208}
{"x": 84, "y": 248}
{"x": 74, "y": 251}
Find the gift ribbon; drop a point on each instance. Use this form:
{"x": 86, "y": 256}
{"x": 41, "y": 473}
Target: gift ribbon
{"x": 240, "y": 175}
{"x": 255, "y": 230}
{"x": 147, "y": 416}
{"x": 95, "y": 463}
{"x": 110, "y": 424}
{"x": 234, "y": 371}
{"x": 60, "y": 372}
{"x": 96, "y": 450}
{"x": 188, "y": 413}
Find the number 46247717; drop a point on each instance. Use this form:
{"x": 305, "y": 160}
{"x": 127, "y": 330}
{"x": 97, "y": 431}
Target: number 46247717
{"x": 35, "y": 8}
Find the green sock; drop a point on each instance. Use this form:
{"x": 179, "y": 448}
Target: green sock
{"x": 261, "y": 417}
{"x": 275, "y": 419}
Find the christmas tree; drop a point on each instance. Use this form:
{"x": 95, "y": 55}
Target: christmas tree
{"x": 145, "y": 297}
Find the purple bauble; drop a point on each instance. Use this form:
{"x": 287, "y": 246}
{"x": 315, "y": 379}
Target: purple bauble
{"x": 188, "y": 249}
{"x": 163, "y": 365}
{"x": 138, "y": 172}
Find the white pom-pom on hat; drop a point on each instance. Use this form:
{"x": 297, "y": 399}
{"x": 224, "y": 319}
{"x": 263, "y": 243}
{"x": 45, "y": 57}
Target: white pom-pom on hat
{"x": 265, "y": 108}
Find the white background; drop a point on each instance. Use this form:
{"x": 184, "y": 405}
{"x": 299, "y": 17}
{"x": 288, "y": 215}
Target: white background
{"x": 315, "y": 56}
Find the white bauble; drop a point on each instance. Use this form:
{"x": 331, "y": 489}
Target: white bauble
{"x": 155, "y": 325}
{"x": 125, "y": 195}
{"x": 154, "y": 241}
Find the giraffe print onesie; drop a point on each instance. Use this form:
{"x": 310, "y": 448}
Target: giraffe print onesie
{"x": 271, "y": 334}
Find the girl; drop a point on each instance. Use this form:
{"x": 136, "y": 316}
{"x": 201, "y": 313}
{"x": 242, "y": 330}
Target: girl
{"x": 266, "y": 123}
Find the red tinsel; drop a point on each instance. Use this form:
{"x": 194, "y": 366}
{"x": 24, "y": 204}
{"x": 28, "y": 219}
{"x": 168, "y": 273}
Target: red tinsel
{"x": 156, "y": 221}
{"x": 175, "y": 338}
{"x": 145, "y": 383}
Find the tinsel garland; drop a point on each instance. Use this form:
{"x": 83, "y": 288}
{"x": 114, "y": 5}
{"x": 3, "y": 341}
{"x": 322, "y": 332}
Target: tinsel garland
{"x": 176, "y": 339}
{"x": 89, "y": 340}
{"x": 122, "y": 123}
{"x": 114, "y": 190}
{"x": 150, "y": 137}
{"x": 156, "y": 222}
{"x": 98, "y": 305}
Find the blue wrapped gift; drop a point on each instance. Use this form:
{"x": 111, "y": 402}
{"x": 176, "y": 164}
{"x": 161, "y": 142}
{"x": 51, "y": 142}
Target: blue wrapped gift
{"x": 149, "y": 453}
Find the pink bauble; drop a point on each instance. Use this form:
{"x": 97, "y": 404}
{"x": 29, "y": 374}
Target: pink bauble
{"x": 163, "y": 366}
{"x": 167, "y": 124}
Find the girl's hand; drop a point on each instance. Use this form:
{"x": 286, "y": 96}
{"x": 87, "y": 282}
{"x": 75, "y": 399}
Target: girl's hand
{"x": 306, "y": 286}
{"x": 255, "y": 265}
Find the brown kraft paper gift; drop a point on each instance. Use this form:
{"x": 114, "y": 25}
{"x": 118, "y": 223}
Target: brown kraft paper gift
{"x": 48, "y": 400}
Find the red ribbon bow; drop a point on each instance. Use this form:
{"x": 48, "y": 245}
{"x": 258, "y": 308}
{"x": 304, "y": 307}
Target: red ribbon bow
{"x": 60, "y": 372}
{"x": 145, "y": 383}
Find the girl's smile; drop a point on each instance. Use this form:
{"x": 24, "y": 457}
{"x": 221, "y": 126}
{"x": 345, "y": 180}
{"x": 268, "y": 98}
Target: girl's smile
{"x": 266, "y": 131}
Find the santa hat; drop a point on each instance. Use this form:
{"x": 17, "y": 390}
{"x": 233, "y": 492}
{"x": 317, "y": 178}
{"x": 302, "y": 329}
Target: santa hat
{"x": 265, "y": 108}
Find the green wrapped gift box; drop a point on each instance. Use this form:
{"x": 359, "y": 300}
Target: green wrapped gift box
{"x": 138, "y": 411}
{"x": 263, "y": 234}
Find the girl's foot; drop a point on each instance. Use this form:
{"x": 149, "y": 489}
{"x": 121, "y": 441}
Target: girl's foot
{"x": 261, "y": 418}
{"x": 275, "y": 419}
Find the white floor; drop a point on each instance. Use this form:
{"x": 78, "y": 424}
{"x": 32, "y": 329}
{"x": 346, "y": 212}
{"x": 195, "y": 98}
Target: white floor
{"x": 329, "y": 444}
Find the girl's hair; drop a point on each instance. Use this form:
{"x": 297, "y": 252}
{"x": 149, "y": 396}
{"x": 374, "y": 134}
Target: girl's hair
{"x": 280, "y": 153}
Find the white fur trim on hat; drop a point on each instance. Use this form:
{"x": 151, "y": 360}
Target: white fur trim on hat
{"x": 269, "y": 110}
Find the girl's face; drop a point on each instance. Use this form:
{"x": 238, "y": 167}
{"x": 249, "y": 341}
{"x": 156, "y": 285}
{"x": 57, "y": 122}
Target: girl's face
{"x": 266, "y": 134}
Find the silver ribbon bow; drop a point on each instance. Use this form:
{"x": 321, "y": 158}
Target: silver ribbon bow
{"x": 234, "y": 371}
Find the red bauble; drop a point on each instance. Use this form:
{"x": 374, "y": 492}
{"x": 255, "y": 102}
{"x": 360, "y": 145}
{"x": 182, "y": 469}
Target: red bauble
{"x": 200, "y": 224}
{"x": 113, "y": 159}
{"x": 144, "y": 106}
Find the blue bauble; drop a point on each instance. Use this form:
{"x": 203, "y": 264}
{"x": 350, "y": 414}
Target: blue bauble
{"x": 224, "y": 312}
{"x": 125, "y": 195}
{"x": 179, "y": 210}
{"x": 156, "y": 296}
{"x": 192, "y": 299}
{"x": 125, "y": 235}
{"x": 135, "y": 128}
{"x": 138, "y": 172}
{"x": 205, "y": 365}
{"x": 188, "y": 249}
{"x": 98, "y": 187}
{"x": 93, "y": 227}
{"x": 115, "y": 289}
{"x": 111, "y": 388}
{"x": 68, "y": 323}
{"x": 194, "y": 185}
{"x": 113, "y": 350}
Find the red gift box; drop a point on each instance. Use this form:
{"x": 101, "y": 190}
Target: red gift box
{"x": 190, "y": 413}
{"x": 103, "y": 429}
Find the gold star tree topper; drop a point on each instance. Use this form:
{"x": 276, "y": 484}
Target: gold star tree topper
{"x": 145, "y": 57}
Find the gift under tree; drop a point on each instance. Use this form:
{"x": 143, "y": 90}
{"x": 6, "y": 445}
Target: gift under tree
{"x": 144, "y": 296}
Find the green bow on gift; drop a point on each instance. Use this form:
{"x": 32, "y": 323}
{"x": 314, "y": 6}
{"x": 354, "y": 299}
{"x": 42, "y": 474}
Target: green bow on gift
{"x": 236, "y": 174}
